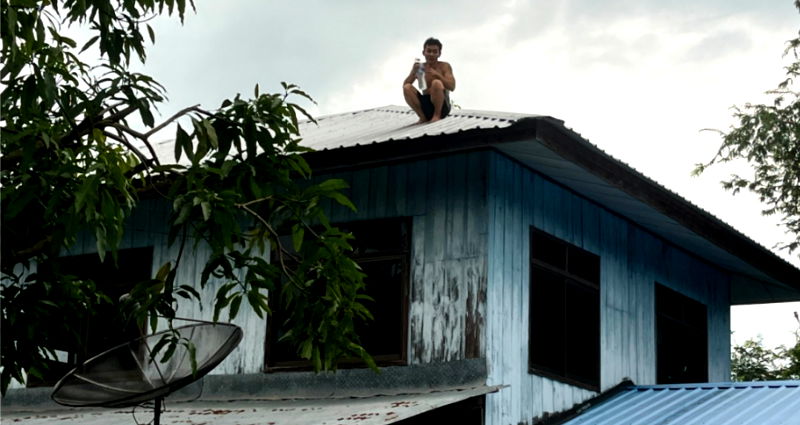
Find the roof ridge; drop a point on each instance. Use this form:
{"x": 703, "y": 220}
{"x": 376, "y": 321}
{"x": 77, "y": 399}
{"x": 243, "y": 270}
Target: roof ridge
{"x": 509, "y": 117}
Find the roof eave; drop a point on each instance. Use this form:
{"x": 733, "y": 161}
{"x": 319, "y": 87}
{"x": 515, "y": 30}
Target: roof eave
{"x": 572, "y": 147}
{"x": 576, "y": 149}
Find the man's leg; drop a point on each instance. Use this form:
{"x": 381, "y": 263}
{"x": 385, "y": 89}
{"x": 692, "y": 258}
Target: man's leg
{"x": 412, "y": 99}
{"x": 437, "y": 98}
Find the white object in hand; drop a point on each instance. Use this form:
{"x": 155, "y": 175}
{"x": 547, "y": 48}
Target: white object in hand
{"x": 421, "y": 76}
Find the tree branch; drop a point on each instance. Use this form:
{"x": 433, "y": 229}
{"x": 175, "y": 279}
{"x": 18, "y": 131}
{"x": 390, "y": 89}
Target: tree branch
{"x": 128, "y": 145}
{"x": 281, "y": 250}
{"x": 182, "y": 112}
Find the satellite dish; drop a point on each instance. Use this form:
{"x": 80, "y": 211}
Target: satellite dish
{"x": 128, "y": 375}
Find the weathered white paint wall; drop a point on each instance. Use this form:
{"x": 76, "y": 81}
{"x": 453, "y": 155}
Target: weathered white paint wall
{"x": 632, "y": 260}
{"x": 446, "y": 197}
{"x": 148, "y": 228}
{"x": 469, "y": 274}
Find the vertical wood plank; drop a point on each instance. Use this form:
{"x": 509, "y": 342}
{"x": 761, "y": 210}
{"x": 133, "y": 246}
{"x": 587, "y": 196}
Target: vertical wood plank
{"x": 378, "y": 184}
{"x": 398, "y": 175}
{"x": 418, "y": 184}
{"x": 417, "y": 292}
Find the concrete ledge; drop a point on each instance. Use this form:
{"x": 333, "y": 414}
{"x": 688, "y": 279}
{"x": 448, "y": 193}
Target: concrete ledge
{"x": 345, "y": 383}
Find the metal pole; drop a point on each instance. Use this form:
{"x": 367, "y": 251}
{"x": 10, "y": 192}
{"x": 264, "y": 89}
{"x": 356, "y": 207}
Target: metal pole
{"x": 157, "y": 412}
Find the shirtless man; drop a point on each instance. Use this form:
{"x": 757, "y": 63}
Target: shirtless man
{"x": 434, "y": 103}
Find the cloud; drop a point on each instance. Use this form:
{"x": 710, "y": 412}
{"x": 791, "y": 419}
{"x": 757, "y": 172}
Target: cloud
{"x": 719, "y": 45}
{"x": 228, "y": 47}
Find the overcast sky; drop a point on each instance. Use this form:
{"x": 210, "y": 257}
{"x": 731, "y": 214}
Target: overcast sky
{"x": 638, "y": 78}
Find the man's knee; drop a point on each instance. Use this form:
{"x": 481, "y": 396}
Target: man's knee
{"x": 408, "y": 88}
{"x": 437, "y": 85}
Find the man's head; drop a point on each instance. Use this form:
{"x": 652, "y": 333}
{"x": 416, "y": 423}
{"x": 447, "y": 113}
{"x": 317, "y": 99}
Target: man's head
{"x": 431, "y": 49}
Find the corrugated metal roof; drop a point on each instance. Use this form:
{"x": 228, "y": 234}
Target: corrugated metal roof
{"x": 737, "y": 403}
{"x": 331, "y": 411}
{"x": 377, "y": 125}
{"x": 390, "y": 123}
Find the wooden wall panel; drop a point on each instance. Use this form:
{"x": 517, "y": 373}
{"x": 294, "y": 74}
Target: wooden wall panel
{"x": 632, "y": 260}
{"x": 148, "y": 227}
{"x": 468, "y": 294}
{"x": 446, "y": 199}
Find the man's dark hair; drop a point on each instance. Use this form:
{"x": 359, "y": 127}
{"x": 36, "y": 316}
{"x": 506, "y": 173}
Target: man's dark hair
{"x": 432, "y": 41}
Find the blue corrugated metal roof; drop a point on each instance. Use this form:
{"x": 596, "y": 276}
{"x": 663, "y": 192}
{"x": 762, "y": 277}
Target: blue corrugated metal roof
{"x": 762, "y": 403}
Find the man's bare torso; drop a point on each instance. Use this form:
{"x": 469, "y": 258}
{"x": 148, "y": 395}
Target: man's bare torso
{"x": 442, "y": 68}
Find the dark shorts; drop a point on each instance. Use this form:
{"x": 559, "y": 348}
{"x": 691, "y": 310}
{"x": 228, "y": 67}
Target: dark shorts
{"x": 427, "y": 105}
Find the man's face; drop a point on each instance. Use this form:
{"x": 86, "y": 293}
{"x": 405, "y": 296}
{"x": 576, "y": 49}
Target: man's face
{"x": 431, "y": 52}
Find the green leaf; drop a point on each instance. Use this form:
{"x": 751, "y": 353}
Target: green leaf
{"x": 173, "y": 344}
{"x": 164, "y": 271}
{"x": 236, "y": 302}
{"x": 190, "y": 289}
{"x": 342, "y": 200}
{"x": 211, "y": 132}
{"x": 190, "y": 347}
{"x": 151, "y": 33}
{"x": 206, "y": 207}
{"x": 333, "y": 184}
{"x": 297, "y": 236}
{"x": 183, "y": 143}
{"x": 306, "y": 349}
{"x": 89, "y": 43}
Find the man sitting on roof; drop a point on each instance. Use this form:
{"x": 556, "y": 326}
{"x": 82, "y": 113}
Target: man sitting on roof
{"x": 434, "y": 102}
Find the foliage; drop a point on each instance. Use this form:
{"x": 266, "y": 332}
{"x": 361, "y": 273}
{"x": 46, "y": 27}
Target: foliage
{"x": 767, "y": 136}
{"x": 751, "y": 361}
{"x": 73, "y": 164}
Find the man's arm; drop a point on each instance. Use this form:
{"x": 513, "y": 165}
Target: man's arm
{"x": 411, "y": 75}
{"x": 445, "y": 76}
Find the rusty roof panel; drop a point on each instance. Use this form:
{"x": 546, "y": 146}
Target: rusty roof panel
{"x": 330, "y": 411}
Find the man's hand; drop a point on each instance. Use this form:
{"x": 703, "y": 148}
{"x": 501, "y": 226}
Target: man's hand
{"x": 434, "y": 73}
{"x": 413, "y": 74}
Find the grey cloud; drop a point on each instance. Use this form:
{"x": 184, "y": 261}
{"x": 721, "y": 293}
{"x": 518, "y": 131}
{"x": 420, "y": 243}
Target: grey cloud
{"x": 323, "y": 46}
{"x": 227, "y": 48}
{"x": 718, "y": 45}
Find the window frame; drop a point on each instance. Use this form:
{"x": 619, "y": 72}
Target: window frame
{"x": 141, "y": 258}
{"x": 566, "y": 280}
{"x": 688, "y": 327}
{"x": 404, "y": 256}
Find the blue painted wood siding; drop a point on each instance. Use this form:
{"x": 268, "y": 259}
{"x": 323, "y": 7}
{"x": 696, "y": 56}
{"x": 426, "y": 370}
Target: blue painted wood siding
{"x": 632, "y": 260}
{"x": 469, "y": 274}
{"x": 446, "y": 198}
{"x": 147, "y": 227}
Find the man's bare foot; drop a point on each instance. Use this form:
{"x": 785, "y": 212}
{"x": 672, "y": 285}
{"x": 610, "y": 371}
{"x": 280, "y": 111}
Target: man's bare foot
{"x": 435, "y": 118}
{"x": 421, "y": 121}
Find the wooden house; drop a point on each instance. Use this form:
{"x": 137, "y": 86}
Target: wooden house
{"x": 513, "y": 258}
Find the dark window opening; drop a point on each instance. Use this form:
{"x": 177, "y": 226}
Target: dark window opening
{"x": 564, "y": 320}
{"x": 106, "y": 327}
{"x": 382, "y": 249}
{"x": 681, "y": 338}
